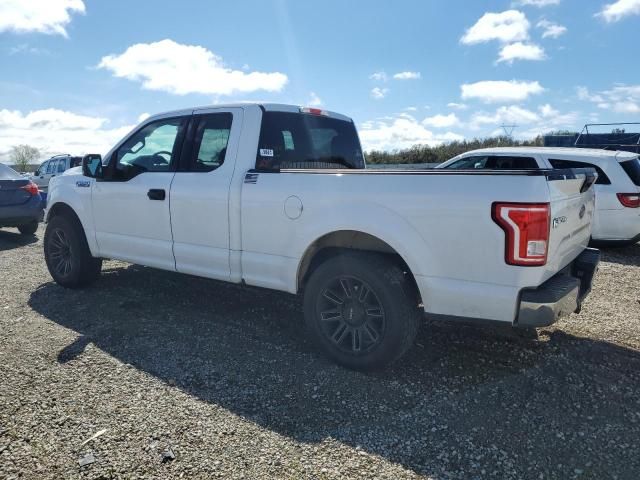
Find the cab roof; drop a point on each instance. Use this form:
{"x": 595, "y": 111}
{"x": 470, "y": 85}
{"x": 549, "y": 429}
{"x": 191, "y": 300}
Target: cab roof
{"x": 270, "y": 107}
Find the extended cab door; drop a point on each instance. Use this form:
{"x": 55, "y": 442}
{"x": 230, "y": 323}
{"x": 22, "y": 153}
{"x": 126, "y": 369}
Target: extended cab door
{"x": 131, "y": 202}
{"x": 200, "y": 193}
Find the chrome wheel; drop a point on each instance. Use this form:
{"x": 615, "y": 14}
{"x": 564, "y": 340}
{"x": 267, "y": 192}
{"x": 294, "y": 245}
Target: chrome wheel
{"x": 60, "y": 252}
{"x": 351, "y": 315}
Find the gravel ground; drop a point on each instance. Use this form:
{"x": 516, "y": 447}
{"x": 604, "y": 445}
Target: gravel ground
{"x": 149, "y": 374}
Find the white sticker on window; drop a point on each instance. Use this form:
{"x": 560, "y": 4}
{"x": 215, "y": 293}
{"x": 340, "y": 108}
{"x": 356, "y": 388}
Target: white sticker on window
{"x": 266, "y": 152}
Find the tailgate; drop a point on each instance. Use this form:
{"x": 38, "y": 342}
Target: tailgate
{"x": 572, "y": 207}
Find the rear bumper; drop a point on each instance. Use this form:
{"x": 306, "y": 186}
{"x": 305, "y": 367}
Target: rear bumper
{"x": 14, "y": 215}
{"x": 561, "y": 295}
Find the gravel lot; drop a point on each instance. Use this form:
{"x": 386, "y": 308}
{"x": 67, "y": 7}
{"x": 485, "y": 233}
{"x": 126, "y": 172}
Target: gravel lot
{"x": 189, "y": 378}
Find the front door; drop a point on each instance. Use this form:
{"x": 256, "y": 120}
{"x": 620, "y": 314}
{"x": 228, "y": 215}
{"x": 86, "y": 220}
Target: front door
{"x": 131, "y": 203}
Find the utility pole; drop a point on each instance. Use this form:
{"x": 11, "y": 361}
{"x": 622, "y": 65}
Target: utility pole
{"x": 508, "y": 130}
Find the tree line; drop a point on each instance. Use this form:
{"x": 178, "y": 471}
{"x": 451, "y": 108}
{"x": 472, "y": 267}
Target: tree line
{"x": 442, "y": 153}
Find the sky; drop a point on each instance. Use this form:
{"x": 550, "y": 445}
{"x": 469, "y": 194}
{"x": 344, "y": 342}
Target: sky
{"x": 77, "y": 75}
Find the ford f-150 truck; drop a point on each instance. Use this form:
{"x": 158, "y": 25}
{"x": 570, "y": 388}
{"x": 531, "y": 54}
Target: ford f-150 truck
{"x": 278, "y": 196}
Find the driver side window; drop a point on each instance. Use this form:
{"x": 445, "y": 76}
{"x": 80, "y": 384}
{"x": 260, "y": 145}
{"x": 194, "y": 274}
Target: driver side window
{"x": 150, "y": 149}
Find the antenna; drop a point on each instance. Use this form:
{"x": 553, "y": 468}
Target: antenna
{"x": 508, "y": 129}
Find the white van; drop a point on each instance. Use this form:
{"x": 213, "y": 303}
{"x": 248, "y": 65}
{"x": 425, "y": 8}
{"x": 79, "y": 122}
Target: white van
{"x": 617, "y": 216}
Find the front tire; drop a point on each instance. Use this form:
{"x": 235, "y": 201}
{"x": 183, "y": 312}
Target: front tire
{"x": 67, "y": 254}
{"x": 28, "y": 228}
{"x": 361, "y": 310}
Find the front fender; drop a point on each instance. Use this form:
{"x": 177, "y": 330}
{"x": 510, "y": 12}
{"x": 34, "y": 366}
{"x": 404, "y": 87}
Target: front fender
{"x": 74, "y": 191}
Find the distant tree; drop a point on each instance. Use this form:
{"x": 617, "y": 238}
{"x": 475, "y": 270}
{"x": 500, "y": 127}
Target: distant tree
{"x": 23, "y": 155}
{"x": 442, "y": 153}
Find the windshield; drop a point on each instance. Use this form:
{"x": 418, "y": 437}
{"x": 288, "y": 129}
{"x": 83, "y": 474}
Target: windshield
{"x": 632, "y": 167}
{"x": 8, "y": 173}
{"x": 297, "y": 140}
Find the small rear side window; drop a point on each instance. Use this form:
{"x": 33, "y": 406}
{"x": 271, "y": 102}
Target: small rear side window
{"x": 632, "y": 167}
{"x": 602, "y": 177}
{"x": 302, "y": 141}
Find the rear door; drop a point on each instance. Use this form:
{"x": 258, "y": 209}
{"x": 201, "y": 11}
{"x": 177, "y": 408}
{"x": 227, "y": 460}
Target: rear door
{"x": 606, "y": 200}
{"x": 200, "y": 193}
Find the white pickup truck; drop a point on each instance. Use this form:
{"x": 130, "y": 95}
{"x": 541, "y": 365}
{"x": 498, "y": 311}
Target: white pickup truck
{"x": 278, "y": 196}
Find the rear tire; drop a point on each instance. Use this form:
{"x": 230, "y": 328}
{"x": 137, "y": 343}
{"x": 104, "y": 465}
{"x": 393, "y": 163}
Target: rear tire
{"x": 361, "y": 310}
{"x": 28, "y": 228}
{"x": 67, "y": 253}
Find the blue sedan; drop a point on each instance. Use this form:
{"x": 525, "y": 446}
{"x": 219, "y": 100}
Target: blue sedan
{"x": 20, "y": 202}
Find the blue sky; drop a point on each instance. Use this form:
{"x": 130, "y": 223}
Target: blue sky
{"x": 77, "y": 75}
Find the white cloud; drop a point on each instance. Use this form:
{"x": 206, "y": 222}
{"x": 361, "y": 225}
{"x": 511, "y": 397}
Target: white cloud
{"x": 442, "y": 121}
{"x": 529, "y": 122}
{"x": 57, "y": 131}
{"x": 182, "y": 69}
{"x": 613, "y": 12}
{"x": 537, "y": 3}
{"x": 42, "y": 16}
{"x": 506, "y": 27}
{"x": 379, "y": 93}
{"x": 551, "y": 29}
{"x": 379, "y": 76}
{"x": 314, "y": 100}
{"x": 399, "y": 132}
{"x": 457, "y": 106}
{"x": 624, "y": 99}
{"x": 500, "y": 91}
{"x": 584, "y": 94}
{"x": 521, "y": 51}
{"x": 143, "y": 116}
{"x": 411, "y": 109}
{"x": 407, "y": 76}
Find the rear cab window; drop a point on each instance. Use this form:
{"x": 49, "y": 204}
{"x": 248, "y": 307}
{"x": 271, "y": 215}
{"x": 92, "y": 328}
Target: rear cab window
{"x": 603, "y": 179}
{"x": 290, "y": 140}
{"x": 632, "y": 168}
{"x": 495, "y": 162}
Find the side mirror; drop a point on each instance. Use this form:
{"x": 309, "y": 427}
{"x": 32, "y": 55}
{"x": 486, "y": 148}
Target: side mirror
{"x": 92, "y": 165}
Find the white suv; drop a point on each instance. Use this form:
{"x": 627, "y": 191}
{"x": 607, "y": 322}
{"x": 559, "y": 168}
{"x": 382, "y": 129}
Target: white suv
{"x": 56, "y": 165}
{"x": 617, "y": 216}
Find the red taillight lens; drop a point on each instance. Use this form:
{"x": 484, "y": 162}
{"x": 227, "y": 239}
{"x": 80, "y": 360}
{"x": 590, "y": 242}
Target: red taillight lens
{"x": 526, "y": 227}
{"x": 630, "y": 200}
{"x": 31, "y": 187}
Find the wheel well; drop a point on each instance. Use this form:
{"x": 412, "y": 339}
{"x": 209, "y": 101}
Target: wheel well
{"x": 62, "y": 209}
{"x": 334, "y": 243}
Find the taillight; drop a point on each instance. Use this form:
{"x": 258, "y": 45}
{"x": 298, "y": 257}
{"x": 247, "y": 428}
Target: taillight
{"x": 630, "y": 200}
{"x": 526, "y": 227}
{"x": 31, "y": 187}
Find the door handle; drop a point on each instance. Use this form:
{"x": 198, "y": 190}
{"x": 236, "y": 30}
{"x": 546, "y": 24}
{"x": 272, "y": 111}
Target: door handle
{"x": 156, "y": 194}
